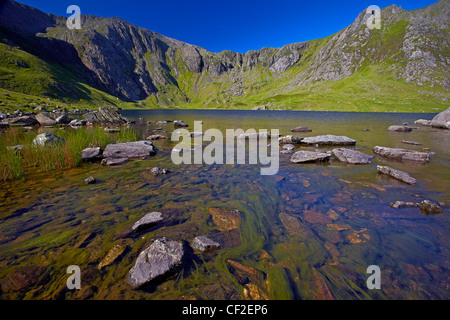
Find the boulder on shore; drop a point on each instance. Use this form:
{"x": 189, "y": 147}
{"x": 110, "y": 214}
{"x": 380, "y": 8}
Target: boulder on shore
{"x": 397, "y": 174}
{"x": 91, "y": 154}
{"x": 442, "y": 120}
{"x": 47, "y": 139}
{"x": 309, "y": 156}
{"x": 352, "y": 156}
{"x": 23, "y": 121}
{"x": 330, "y": 140}
{"x": 77, "y": 123}
{"x": 158, "y": 260}
{"x": 64, "y": 119}
{"x": 45, "y": 119}
{"x": 401, "y": 154}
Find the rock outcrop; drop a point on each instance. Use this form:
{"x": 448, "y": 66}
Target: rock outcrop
{"x": 106, "y": 116}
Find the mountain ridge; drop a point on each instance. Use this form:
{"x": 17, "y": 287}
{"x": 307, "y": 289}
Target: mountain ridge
{"x": 137, "y": 65}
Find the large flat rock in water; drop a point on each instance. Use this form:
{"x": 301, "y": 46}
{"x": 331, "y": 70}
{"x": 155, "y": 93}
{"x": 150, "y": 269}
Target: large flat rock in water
{"x": 309, "y": 156}
{"x": 330, "y": 140}
{"x": 161, "y": 258}
{"x": 442, "y": 120}
{"x": 352, "y": 156}
{"x": 401, "y": 154}
{"x": 138, "y": 149}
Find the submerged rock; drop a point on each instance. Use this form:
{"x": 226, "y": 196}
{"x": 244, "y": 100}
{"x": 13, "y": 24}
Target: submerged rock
{"x": 90, "y": 180}
{"x": 442, "y": 120}
{"x": 112, "y": 255}
{"x": 401, "y": 154}
{"x": 352, "y": 156}
{"x": 22, "y": 278}
{"x": 130, "y": 150}
{"x": 301, "y": 129}
{"x": 47, "y": 139}
{"x": 429, "y": 207}
{"x": 147, "y": 220}
{"x": 331, "y": 140}
{"x": 204, "y": 244}
{"x": 397, "y": 174}
{"x": 160, "y": 259}
{"x": 225, "y": 219}
{"x": 256, "y": 135}
{"x": 158, "y": 171}
{"x": 403, "y": 204}
{"x": 114, "y": 161}
{"x": 400, "y": 129}
{"x": 309, "y": 156}
{"x": 411, "y": 143}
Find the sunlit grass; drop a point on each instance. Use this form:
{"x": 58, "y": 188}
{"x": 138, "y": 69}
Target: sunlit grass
{"x": 59, "y": 156}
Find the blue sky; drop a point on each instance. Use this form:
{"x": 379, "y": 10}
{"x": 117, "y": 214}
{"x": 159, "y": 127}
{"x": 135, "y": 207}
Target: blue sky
{"x": 237, "y": 25}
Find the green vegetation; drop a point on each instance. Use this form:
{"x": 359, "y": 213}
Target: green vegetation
{"x": 13, "y": 163}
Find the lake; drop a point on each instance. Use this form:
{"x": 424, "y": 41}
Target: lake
{"x": 309, "y": 232}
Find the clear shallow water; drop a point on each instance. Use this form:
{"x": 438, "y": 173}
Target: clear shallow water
{"x": 310, "y": 232}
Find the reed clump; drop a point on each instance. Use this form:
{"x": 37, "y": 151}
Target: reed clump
{"x": 17, "y": 152}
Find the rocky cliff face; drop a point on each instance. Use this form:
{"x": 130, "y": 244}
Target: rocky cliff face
{"x": 133, "y": 63}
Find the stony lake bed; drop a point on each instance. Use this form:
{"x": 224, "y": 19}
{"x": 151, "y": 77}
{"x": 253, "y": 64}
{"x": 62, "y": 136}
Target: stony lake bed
{"x": 308, "y": 232}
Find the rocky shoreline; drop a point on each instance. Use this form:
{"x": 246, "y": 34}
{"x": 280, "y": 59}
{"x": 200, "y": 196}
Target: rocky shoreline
{"x": 163, "y": 257}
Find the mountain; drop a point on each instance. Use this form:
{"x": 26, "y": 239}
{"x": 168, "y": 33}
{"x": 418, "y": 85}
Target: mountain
{"x": 401, "y": 67}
